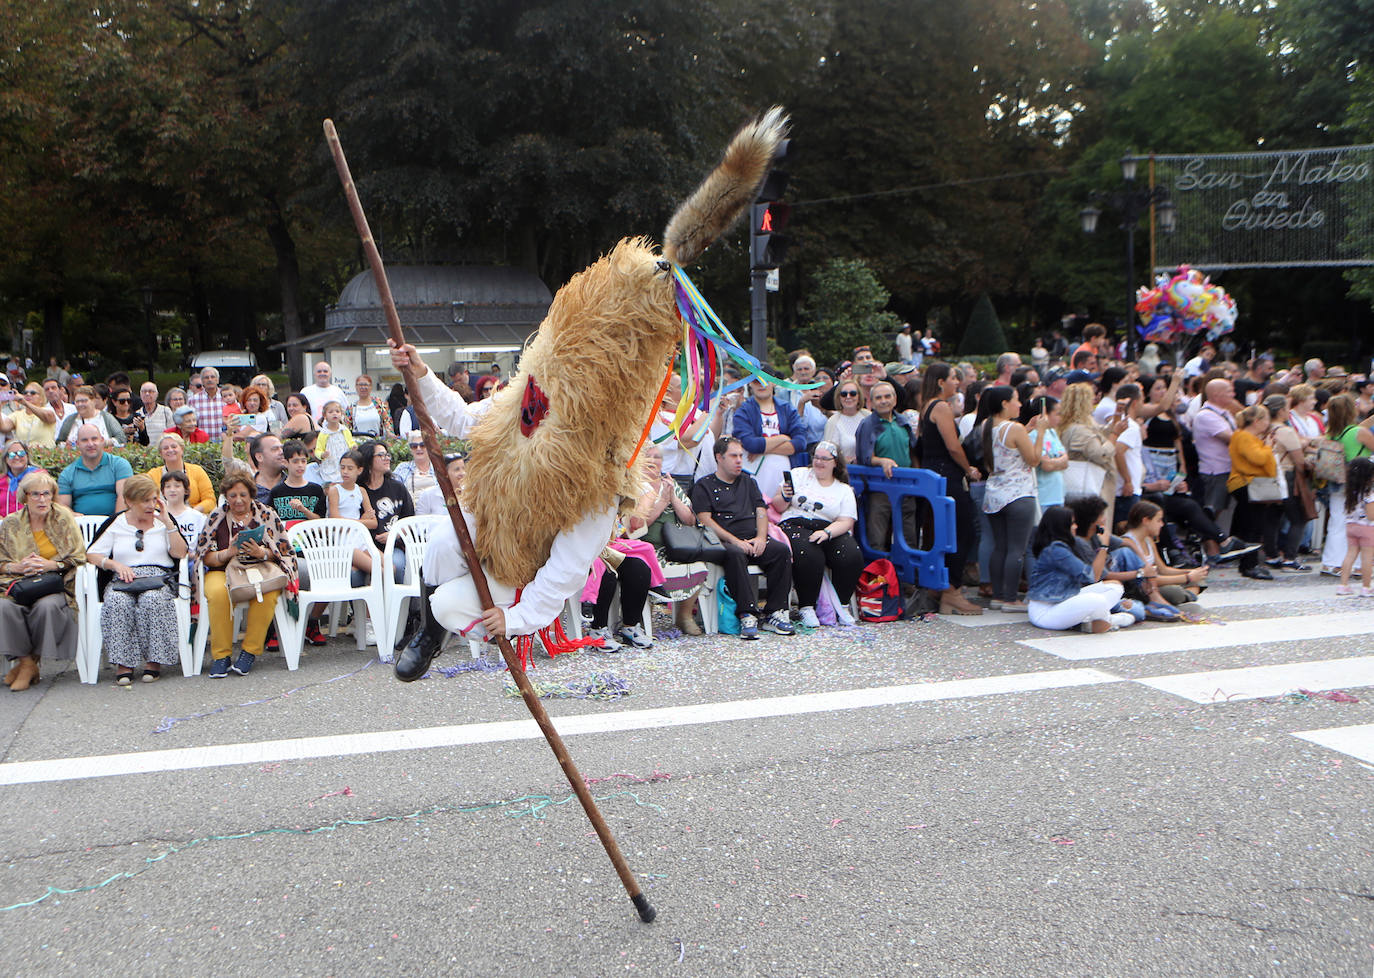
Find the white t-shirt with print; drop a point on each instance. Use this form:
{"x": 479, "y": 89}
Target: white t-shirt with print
{"x": 813, "y": 501}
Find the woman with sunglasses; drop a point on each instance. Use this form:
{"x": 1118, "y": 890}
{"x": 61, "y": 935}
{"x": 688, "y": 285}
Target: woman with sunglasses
{"x": 844, "y": 423}
{"x": 40, "y": 537}
{"x": 135, "y": 554}
{"x": 31, "y": 419}
{"x": 18, "y": 464}
{"x": 818, "y": 512}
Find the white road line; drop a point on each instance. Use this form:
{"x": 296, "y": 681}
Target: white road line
{"x": 1292, "y": 594}
{"x": 1257, "y": 681}
{"x": 1184, "y": 638}
{"x": 1358, "y": 741}
{"x": 219, "y": 755}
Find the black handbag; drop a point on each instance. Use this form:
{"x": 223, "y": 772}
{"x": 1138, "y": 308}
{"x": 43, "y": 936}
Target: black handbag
{"x": 27, "y": 590}
{"x": 691, "y": 544}
{"x": 140, "y": 584}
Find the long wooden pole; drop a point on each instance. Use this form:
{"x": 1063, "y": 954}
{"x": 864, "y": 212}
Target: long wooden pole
{"x": 455, "y": 512}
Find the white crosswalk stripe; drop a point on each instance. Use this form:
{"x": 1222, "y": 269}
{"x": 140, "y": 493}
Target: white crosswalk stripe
{"x": 1225, "y": 685}
{"x": 1356, "y": 741}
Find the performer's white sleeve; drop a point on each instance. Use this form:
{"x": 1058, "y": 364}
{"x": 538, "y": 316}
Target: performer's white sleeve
{"x": 562, "y": 576}
{"x": 446, "y": 406}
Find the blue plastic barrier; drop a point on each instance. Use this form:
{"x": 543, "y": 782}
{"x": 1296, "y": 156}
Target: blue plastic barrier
{"x": 923, "y": 567}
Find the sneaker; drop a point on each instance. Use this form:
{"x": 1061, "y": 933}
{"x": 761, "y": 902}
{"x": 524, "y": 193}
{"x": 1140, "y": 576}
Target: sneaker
{"x": 1331, "y": 571}
{"x": 1231, "y": 549}
{"x": 779, "y": 623}
{"x": 313, "y": 635}
{"x": 843, "y": 617}
{"x": 748, "y": 627}
{"x": 219, "y": 668}
{"x": 634, "y": 635}
{"x": 1257, "y": 574}
{"x": 1274, "y": 562}
{"x": 611, "y": 645}
{"x": 370, "y": 634}
{"x": 1294, "y": 567}
{"x": 243, "y": 663}
{"x": 1344, "y": 591}
{"x": 809, "y": 619}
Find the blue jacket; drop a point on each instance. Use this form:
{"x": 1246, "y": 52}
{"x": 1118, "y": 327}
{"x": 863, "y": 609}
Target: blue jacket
{"x": 867, "y": 436}
{"x": 1058, "y": 575}
{"x": 748, "y": 425}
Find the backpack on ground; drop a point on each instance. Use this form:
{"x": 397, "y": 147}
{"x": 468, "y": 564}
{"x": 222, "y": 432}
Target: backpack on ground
{"x": 879, "y": 592}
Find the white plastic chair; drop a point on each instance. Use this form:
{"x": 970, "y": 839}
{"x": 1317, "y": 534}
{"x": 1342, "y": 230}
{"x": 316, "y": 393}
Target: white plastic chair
{"x": 412, "y": 532}
{"x": 90, "y": 640}
{"x": 327, "y": 548}
{"x": 85, "y": 588}
{"x": 281, "y": 616}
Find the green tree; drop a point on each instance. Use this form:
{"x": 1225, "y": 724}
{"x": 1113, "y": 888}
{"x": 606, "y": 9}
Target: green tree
{"x": 844, "y": 309}
{"x": 984, "y": 336}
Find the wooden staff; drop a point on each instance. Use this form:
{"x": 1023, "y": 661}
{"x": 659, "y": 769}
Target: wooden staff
{"x": 455, "y": 512}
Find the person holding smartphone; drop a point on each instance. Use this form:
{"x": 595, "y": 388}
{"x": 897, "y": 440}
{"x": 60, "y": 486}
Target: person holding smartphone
{"x": 818, "y": 510}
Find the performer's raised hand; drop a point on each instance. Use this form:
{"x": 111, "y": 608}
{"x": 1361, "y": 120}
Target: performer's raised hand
{"x": 494, "y": 621}
{"x": 406, "y": 355}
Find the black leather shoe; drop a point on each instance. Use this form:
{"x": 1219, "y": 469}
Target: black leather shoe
{"x": 1257, "y": 574}
{"x": 418, "y": 650}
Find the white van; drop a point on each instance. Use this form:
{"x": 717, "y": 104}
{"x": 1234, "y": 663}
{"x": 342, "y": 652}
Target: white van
{"x": 234, "y": 366}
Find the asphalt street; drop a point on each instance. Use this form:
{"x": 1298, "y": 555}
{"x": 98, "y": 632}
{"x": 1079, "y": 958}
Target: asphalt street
{"x": 929, "y": 798}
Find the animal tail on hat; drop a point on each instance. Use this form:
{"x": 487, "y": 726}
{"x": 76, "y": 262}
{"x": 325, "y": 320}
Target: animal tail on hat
{"x": 727, "y": 192}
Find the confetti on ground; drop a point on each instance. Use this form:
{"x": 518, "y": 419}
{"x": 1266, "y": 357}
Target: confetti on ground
{"x": 473, "y": 665}
{"x": 169, "y": 722}
{"x": 597, "y": 686}
{"x": 346, "y": 793}
{"x": 531, "y": 805}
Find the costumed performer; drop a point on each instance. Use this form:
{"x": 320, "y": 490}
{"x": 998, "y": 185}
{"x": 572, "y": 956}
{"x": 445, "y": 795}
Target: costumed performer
{"x": 562, "y": 439}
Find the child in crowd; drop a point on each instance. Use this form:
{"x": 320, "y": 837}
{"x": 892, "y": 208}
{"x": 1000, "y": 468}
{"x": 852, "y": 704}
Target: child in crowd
{"x": 430, "y": 502}
{"x": 176, "y": 487}
{"x": 333, "y": 441}
{"x": 295, "y": 498}
{"x": 348, "y": 501}
{"x": 1359, "y": 525}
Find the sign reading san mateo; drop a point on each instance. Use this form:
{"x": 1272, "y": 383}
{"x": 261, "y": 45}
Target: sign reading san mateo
{"x": 1256, "y": 210}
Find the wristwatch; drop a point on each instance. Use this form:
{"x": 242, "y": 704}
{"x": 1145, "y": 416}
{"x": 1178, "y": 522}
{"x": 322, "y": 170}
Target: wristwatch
{"x": 1140, "y": 574}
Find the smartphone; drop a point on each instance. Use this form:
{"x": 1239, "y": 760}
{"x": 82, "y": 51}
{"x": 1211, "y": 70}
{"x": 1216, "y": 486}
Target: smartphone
{"x": 865, "y": 368}
{"x": 787, "y": 478}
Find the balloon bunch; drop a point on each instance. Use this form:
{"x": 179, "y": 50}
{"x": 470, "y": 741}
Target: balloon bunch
{"x": 1186, "y": 303}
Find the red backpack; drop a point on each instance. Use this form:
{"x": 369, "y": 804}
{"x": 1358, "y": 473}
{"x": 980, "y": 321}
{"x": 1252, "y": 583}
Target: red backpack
{"x": 879, "y": 592}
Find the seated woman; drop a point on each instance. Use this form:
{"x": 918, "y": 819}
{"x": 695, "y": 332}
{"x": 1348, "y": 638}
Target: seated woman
{"x": 1065, "y": 592}
{"x": 1158, "y": 582}
{"x": 1090, "y": 524}
{"x": 188, "y": 426}
{"x": 18, "y": 464}
{"x": 136, "y": 552}
{"x": 633, "y": 577}
{"x": 665, "y": 502}
{"x": 416, "y": 473}
{"x": 299, "y": 422}
{"x": 41, "y": 536}
{"x": 818, "y": 512}
{"x": 173, "y": 451}
{"x": 219, "y": 543}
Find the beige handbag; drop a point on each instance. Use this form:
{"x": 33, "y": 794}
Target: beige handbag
{"x": 249, "y": 582}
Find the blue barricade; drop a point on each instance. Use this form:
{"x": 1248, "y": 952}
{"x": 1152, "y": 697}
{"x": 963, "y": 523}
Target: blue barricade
{"x": 923, "y": 567}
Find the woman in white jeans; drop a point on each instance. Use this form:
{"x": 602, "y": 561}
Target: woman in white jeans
{"x": 1065, "y": 591}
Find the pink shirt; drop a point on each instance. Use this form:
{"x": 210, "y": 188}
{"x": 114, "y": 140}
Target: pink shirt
{"x": 1213, "y": 451}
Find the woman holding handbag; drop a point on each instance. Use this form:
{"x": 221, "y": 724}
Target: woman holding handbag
{"x": 137, "y": 553}
{"x": 1298, "y": 504}
{"x": 1254, "y": 483}
{"x": 1356, "y": 441}
{"x": 40, "y": 549}
{"x": 1091, "y": 447}
{"x": 249, "y": 535}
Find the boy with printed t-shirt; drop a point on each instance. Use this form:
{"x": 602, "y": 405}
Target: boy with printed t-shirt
{"x": 294, "y": 498}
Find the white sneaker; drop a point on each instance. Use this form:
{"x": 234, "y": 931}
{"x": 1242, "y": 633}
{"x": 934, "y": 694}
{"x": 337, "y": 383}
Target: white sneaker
{"x": 843, "y": 617}
{"x": 370, "y": 634}
{"x": 605, "y": 635}
{"x": 809, "y": 619}
{"x": 634, "y": 635}
{"x": 1122, "y": 619}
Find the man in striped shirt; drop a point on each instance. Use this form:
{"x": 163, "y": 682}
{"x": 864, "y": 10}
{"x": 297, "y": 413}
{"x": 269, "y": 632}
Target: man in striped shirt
{"x": 208, "y": 404}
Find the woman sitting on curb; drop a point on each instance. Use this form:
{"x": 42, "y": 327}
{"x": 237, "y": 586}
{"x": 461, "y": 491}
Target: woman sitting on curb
{"x": 1066, "y": 592}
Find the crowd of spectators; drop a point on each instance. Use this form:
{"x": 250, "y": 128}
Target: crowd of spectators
{"x": 1088, "y": 490}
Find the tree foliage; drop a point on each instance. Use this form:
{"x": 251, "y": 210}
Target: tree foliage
{"x": 846, "y": 309}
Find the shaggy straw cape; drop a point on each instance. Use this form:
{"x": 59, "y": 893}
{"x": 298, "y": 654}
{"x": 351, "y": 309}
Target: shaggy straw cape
{"x": 599, "y": 357}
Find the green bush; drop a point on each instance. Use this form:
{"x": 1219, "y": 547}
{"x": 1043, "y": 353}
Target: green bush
{"x": 844, "y": 310}
{"x": 984, "y": 334}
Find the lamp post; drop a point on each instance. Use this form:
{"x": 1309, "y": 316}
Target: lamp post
{"x": 1131, "y": 202}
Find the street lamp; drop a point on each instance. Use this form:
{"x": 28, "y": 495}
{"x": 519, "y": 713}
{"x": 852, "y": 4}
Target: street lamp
{"x": 1131, "y": 202}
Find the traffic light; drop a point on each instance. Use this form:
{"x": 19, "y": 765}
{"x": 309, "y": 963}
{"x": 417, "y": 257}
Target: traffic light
{"x": 768, "y": 245}
{"x": 768, "y": 217}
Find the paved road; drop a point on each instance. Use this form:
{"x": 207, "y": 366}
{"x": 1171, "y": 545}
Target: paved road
{"x": 956, "y": 797}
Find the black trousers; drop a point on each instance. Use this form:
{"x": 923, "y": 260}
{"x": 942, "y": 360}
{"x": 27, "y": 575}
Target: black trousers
{"x": 632, "y": 577}
{"x": 809, "y": 561}
{"x": 1254, "y": 523}
{"x": 776, "y": 561}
